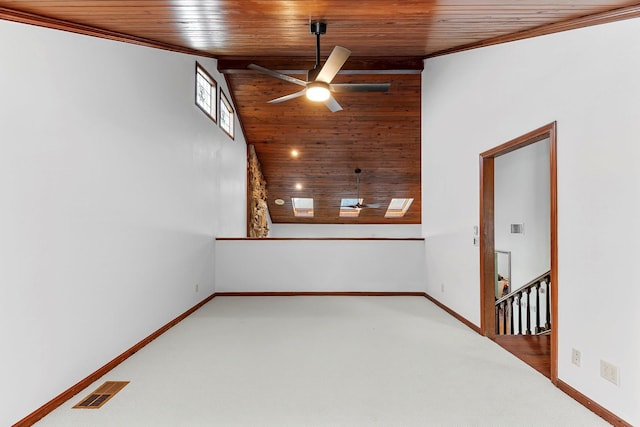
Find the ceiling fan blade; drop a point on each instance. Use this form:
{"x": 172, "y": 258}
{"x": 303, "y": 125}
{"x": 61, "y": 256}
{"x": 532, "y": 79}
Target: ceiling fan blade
{"x": 360, "y": 87}
{"x": 277, "y": 75}
{"x": 288, "y": 97}
{"x": 363, "y": 206}
{"x": 334, "y": 62}
{"x": 332, "y": 104}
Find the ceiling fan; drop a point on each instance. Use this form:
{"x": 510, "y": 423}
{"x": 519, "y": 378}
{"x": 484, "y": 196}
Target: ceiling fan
{"x": 359, "y": 205}
{"x": 318, "y": 86}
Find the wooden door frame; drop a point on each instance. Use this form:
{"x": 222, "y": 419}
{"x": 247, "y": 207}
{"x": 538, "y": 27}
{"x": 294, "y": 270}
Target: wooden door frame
{"x": 487, "y": 239}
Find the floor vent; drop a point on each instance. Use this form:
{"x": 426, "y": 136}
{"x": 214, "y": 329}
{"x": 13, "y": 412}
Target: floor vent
{"x": 101, "y": 395}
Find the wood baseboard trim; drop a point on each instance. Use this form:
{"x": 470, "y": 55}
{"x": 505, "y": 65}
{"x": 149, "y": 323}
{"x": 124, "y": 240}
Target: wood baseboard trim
{"x": 322, "y": 294}
{"x": 48, "y": 407}
{"x": 452, "y": 313}
{"x": 602, "y": 412}
{"x": 276, "y": 239}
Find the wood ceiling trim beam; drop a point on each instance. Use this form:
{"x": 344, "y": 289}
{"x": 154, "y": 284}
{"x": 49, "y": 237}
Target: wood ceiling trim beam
{"x": 58, "y": 24}
{"x": 606, "y": 17}
{"x": 300, "y": 65}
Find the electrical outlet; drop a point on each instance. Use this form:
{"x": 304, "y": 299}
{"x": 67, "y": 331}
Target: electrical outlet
{"x": 609, "y": 372}
{"x": 575, "y": 357}
{"x": 441, "y": 287}
{"x": 197, "y": 287}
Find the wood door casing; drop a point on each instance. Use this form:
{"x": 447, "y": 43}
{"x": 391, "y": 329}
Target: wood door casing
{"x": 487, "y": 242}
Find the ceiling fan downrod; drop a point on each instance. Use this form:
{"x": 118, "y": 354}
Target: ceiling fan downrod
{"x": 357, "y": 172}
{"x": 318, "y": 28}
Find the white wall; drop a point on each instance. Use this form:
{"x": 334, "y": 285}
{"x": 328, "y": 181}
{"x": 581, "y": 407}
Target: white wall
{"x": 113, "y": 186}
{"x": 521, "y": 196}
{"x": 346, "y": 230}
{"x": 319, "y": 265}
{"x": 587, "y": 80}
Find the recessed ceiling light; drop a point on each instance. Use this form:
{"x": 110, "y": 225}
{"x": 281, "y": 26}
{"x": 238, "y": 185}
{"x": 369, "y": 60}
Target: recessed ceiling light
{"x": 294, "y": 153}
{"x": 279, "y": 202}
{"x": 298, "y": 186}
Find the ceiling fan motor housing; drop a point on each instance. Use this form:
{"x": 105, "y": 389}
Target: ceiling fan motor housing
{"x": 312, "y": 74}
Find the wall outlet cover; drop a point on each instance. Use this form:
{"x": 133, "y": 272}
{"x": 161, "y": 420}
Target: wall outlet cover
{"x": 609, "y": 372}
{"x": 575, "y": 357}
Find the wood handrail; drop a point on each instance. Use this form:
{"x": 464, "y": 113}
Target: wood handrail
{"x": 521, "y": 288}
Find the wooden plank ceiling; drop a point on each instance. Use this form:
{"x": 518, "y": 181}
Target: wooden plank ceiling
{"x": 377, "y": 132}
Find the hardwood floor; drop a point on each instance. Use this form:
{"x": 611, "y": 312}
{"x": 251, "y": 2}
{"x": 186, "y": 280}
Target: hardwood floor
{"x": 534, "y": 350}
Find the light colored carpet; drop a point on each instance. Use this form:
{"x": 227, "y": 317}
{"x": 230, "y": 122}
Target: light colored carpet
{"x": 325, "y": 361}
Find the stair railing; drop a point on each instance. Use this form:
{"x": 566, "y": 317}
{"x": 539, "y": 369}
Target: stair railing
{"x": 514, "y": 311}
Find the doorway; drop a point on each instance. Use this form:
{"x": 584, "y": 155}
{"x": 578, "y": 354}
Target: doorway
{"x": 488, "y": 249}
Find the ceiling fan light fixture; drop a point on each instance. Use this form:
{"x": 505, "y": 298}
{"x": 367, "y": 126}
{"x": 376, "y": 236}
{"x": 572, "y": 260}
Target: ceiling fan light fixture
{"x": 318, "y": 91}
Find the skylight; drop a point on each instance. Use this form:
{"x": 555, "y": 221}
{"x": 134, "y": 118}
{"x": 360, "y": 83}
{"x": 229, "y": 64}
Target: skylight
{"x": 347, "y": 210}
{"x": 302, "y": 206}
{"x": 397, "y": 208}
